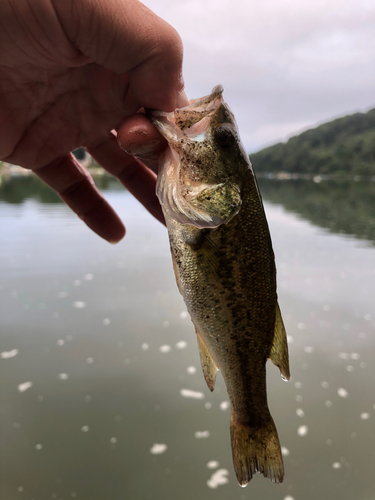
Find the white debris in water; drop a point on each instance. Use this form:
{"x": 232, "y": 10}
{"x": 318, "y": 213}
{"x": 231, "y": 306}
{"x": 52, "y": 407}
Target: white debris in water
{"x": 209, "y": 405}
{"x": 213, "y": 464}
{"x": 325, "y": 385}
{"x": 285, "y": 451}
{"x": 85, "y": 428}
{"x": 60, "y": 342}
{"x": 355, "y": 355}
{"x": 184, "y": 314}
{"x": 343, "y": 355}
{"x": 88, "y": 277}
{"x": 106, "y": 321}
{"x": 23, "y": 387}
{"x": 365, "y": 416}
{"x": 113, "y": 440}
{"x": 349, "y": 368}
{"x": 289, "y": 497}
{"x": 89, "y": 361}
{"x": 187, "y": 393}
{"x": 181, "y": 345}
{"x": 63, "y": 376}
{"x": 20, "y": 488}
{"x": 302, "y": 430}
{"x": 76, "y": 282}
{"x": 38, "y": 447}
{"x": 165, "y": 324}
{"x": 191, "y": 370}
{"x": 342, "y": 393}
{"x": 300, "y": 412}
{"x": 9, "y": 354}
{"x": 157, "y": 449}
{"x": 301, "y": 326}
{"x": 336, "y": 465}
{"x": 290, "y": 339}
{"x": 328, "y": 404}
{"x": 218, "y": 478}
{"x": 165, "y": 348}
{"x": 298, "y": 385}
{"x": 79, "y": 304}
{"x": 309, "y": 349}
{"x": 202, "y": 434}
{"x": 144, "y": 346}
{"x": 62, "y": 295}
{"x": 224, "y": 405}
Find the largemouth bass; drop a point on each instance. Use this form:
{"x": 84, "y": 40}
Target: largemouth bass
{"x": 225, "y": 269}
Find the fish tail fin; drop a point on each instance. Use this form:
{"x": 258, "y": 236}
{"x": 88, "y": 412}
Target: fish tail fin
{"x": 256, "y": 449}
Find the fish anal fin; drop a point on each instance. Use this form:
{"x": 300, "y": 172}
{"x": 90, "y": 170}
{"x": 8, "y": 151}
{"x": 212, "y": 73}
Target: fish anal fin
{"x": 256, "y": 448}
{"x": 208, "y": 365}
{"x": 279, "y": 351}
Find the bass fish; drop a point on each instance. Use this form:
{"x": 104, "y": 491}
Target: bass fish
{"x": 225, "y": 269}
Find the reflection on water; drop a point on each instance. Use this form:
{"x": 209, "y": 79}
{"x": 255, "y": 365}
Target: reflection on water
{"x": 102, "y": 395}
{"x": 18, "y": 188}
{"x": 343, "y": 206}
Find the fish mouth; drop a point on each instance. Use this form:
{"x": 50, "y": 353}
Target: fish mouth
{"x": 191, "y": 121}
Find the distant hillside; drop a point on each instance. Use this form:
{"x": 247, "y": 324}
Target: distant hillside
{"x": 342, "y": 146}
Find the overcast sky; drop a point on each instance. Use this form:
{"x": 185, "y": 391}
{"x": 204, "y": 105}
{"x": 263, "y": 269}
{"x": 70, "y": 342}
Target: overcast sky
{"x": 286, "y": 65}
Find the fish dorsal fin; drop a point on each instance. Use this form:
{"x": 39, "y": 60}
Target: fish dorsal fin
{"x": 208, "y": 365}
{"x": 279, "y": 351}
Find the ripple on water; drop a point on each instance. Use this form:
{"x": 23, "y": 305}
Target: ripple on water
{"x": 158, "y": 448}
{"x": 181, "y": 344}
{"x": 213, "y": 464}
{"x": 285, "y": 451}
{"x": 24, "y": 386}
{"x": 218, "y": 478}
{"x": 302, "y": 430}
{"x": 165, "y": 348}
{"x": 9, "y": 354}
{"x": 342, "y": 393}
{"x": 187, "y": 393}
{"x": 202, "y": 434}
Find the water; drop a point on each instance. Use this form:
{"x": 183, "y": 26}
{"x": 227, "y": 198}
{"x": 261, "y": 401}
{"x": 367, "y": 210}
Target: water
{"x": 102, "y": 395}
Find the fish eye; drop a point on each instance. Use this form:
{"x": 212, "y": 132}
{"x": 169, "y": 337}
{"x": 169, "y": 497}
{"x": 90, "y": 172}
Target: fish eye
{"x": 224, "y": 137}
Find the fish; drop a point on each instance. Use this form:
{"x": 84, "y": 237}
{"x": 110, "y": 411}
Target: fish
{"x": 225, "y": 269}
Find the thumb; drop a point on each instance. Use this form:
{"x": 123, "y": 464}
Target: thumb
{"x": 127, "y": 37}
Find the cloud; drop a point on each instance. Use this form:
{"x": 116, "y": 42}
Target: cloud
{"x": 283, "y": 63}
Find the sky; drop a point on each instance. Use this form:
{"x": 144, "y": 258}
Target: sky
{"x": 285, "y": 65}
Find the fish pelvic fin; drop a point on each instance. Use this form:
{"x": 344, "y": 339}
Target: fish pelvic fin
{"x": 256, "y": 449}
{"x": 279, "y": 351}
{"x": 208, "y": 364}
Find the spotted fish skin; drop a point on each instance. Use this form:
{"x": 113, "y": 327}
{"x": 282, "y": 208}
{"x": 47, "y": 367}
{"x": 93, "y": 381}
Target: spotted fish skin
{"x": 225, "y": 270}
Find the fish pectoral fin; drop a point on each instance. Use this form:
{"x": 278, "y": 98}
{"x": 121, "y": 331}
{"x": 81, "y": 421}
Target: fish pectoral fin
{"x": 208, "y": 365}
{"x": 279, "y": 351}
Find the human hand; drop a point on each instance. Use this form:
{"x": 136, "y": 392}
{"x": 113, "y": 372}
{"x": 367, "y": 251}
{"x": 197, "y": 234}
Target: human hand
{"x": 70, "y": 74}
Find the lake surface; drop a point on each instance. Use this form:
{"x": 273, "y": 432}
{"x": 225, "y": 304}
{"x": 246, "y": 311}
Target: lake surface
{"x": 99, "y": 361}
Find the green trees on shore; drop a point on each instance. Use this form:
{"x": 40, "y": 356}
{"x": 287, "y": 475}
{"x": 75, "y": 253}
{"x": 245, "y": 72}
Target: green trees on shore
{"x": 345, "y": 146}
